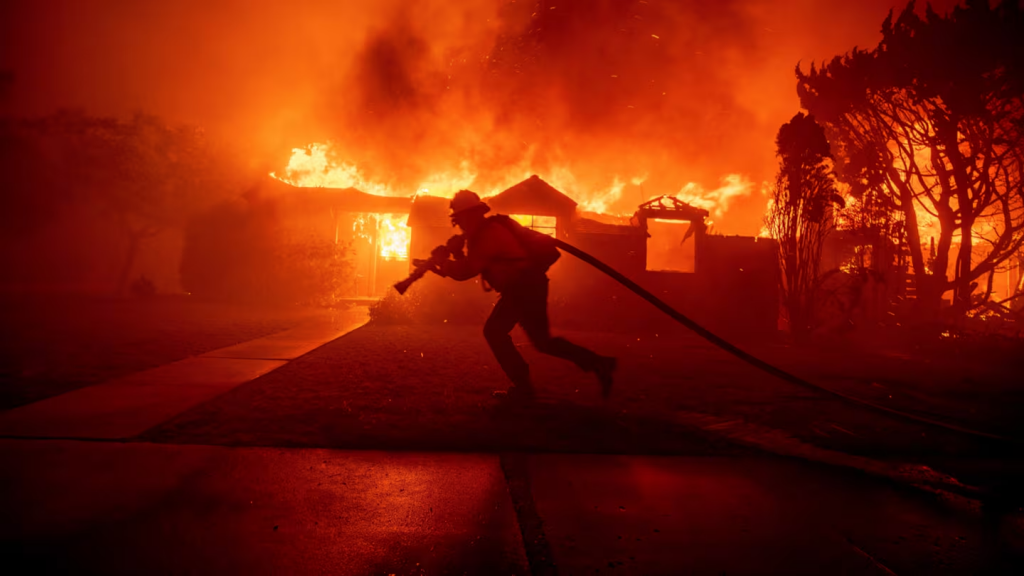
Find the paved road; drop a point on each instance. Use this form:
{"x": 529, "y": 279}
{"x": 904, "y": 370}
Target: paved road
{"x": 92, "y": 505}
{"x": 131, "y": 508}
{"x": 112, "y": 508}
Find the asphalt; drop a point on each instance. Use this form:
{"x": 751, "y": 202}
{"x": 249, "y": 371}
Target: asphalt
{"x": 82, "y": 492}
{"x": 138, "y": 508}
{"x": 132, "y": 508}
{"x": 735, "y": 515}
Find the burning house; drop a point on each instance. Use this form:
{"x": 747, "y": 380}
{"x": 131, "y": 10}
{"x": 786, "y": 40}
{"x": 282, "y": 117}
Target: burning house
{"x": 726, "y": 282}
{"x": 376, "y": 227}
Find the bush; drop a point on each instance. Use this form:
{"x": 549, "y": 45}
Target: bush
{"x": 435, "y": 300}
{"x": 242, "y": 252}
{"x": 394, "y": 309}
{"x": 311, "y": 271}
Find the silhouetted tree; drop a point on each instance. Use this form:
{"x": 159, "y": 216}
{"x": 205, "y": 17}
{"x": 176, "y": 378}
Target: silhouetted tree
{"x": 800, "y": 214}
{"x": 879, "y": 259}
{"x": 138, "y": 176}
{"x": 148, "y": 176}
{"x": 932, "y": 121}
{"x": 1014, "y": 266}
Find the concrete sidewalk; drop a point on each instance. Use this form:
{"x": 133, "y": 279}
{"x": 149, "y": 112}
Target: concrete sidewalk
{"x": 130, "y": 508}
{"x": 128, "y": 406}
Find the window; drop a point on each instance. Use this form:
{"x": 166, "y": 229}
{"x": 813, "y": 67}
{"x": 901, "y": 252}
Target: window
{"x": 393, "y": 236}
{"x": 542, "y": 224}
{"x": 668, "y": 248}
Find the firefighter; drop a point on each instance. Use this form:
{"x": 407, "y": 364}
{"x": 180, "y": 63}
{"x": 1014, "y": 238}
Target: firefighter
{"x": 511, "y": 261}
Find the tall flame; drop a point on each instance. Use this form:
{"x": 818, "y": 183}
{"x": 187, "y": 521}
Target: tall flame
{"x": 716, "y": 201}
{"x": 317, "y": 165}
{"x": 312, "y": 168}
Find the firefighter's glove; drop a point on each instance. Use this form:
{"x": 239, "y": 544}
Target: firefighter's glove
{"x": 439, "y": 255}
{"x": 455, "y": 245}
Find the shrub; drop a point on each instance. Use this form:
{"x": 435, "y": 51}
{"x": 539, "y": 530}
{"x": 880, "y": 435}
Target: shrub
{"x": 242, "y": 252}
{"x": 435, "y": 300}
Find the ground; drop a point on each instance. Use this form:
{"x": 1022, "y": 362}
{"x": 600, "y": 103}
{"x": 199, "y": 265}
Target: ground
{"x": 683, "y": 457}
{"x": 428, "y": 387}
{"x": 53, "y": 344}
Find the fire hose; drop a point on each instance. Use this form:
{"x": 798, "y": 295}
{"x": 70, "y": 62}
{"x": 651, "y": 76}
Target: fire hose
{"x": 424, "y": 266}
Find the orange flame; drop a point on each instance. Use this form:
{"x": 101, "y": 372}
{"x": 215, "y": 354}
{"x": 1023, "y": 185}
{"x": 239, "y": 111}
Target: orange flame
{"x": 317, "y": 165}
{"x": 393, "y": 236}
{"x": 716, "y": 201}
{"x": 311, "y": 167}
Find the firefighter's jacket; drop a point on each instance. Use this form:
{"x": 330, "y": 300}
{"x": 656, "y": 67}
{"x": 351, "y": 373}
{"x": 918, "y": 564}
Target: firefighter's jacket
{"x": 493, "y": 252}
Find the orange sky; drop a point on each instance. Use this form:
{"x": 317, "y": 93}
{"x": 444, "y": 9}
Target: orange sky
{"x": 670, "y": 92}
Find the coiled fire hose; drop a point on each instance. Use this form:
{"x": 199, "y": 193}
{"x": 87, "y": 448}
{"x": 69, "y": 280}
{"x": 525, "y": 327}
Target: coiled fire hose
{"x": 755, "y": 361}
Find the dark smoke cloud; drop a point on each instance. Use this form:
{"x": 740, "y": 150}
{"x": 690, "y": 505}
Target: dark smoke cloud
{"x": 684, "y": 91}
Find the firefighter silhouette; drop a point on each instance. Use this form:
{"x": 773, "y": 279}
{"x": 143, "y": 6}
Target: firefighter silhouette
{"x": 513, "y": 261}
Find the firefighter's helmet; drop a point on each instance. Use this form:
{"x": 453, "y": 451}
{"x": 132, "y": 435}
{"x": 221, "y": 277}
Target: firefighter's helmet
{"x": 466, "y": 200}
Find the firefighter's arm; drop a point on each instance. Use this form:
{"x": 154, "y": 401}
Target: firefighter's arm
{"x": 463, "y": 269}
{"x": 468, "y": 267}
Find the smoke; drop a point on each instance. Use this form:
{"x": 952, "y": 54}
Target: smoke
{"x": 600, "y": 93}
{"x": 616, "y": 101}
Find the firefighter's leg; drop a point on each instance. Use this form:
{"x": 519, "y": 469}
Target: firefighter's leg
{"x": 496, "y": 330}
{"x": 533, "y": 300}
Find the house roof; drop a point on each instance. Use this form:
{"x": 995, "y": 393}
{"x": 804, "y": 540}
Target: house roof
{"x": 533, "y": 196}
{"x": 429, "y": 211}
{"x": 670, "y": 208}
{"x": 340, "y": 199}
{"x": 588, "y": 226}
